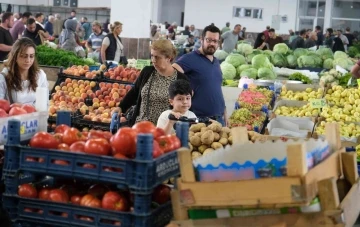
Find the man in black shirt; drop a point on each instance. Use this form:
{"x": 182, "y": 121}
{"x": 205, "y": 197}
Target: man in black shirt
{"x": 6, "y": 40}
{"x": 349, "y": 36}
{"x": 32, "y": 32}
{"x": 320, "y": 36}
{"x": 299, "y": 41}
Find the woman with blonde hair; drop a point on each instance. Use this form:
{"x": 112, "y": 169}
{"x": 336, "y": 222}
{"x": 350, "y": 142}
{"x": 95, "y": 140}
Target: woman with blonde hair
{"x": 21, "y": 74}
{"x": 150, "y": 96}
{"x": 112, "y": 47}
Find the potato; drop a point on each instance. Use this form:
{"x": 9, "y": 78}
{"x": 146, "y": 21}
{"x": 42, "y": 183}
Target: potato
{"x": 226, "y": 129}
{"x": 224, "y": 135}
{"x": 215, "y": 127}
{"x": 191, "y": 147}
{"x": 195, "y": 148}
{"x": 195, "y": 154}
{"x": 207, "y": 151}
{"x": 172, "y": 180}
{"x": 216, "y": 145}
{"x": 197, "y": 127}
{"x": 191, "y": 133}
{"x": 207, "y": 137}
{"x": 224, "y": 141}
{"x": 204, "y": 130}
{"x": 216, "y": 136}
{"x": 202, "y": 148}
{"x": 195, "y": 141}
{"x": 230, "y": 139}
{"x": 198, "y": 134}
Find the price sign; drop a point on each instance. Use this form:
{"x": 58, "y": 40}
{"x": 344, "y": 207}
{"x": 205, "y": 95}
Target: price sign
{"x": 141, "y": 63}
{"x": 317, "y": 103}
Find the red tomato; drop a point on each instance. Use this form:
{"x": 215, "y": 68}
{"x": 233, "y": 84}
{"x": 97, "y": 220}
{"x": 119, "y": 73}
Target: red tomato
{"x": 89, "y": 219}
{"x": 120, "y": 156}
{"x": 78, "y": 146}
{"x": 159, "y": 132}
{"x": 157, "y": 151}
{"x": 61, "y": 162}
{"x": 71, "y": 135}
{"x": 161, "y": 194}
{"x": 145, "y": 127}
{"x": 88, "y": 166}
{"x": 75, "y": 199}
{"x": 27, "y": 191}
{"x": 58, "y": 137}
{"x": 99, "y": 134}
{"x": 165, "y": 143}
{"x": 85, "y": 134}
{"x": 63, "y": 147}
{"x": 124, "y": 141}
{"x": 98, "y": 146}
{"x": 58, "y": 195}
{"x": 44, "y": 193}
{"x": 28, "y": 108}
{"x": 175, "y": 141}
{"x": 61, "y": 128}
{"x": 98, "y": 190}
{"x": 43, "y": 140}
{"x": 114, "y": 201}
{"x": 90, "y": 201}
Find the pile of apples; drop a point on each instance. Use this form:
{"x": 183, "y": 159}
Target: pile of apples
{"x": 70, "y": 95}
{"x": 122, "y": 74}
{"x": 7, "y": 110}
{"x": 83, "y": 70}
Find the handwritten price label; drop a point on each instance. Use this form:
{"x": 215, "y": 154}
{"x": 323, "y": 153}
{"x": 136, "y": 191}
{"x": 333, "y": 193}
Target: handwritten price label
{"x": 141, "y": 63}
{"x": 317, "y": 103}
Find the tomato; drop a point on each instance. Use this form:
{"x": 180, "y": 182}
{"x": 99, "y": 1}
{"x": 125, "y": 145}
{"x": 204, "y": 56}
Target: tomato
{"x": 84, "y": 218}
{"x": 120, "y": 156}
{"x": 157, "y": 151}
{"x": 61, "y": 128}
{"x": 75, "y": 199}
{"x": 99, "y": 134}
{"x": 145, "y": 127}
{"x": 175, "y": 141}
{"x": 30, "y": 159}
{"x": 61, "y": 162}
{"x": 98, "y": 146}
{"x": 43, "y": 140}
{"x": 124, "y": 141}
{"x": 114, "y": 201}
{"x": 90, "y": 201}
{"x": 159, "y": 132}
{"x": 88, "y": 166}
{"x": 27, "y": 191}
{"x": 71, "y": 135}
{"x": 63, "y": 147}
{"x": 58, "y": 195}
{"x": 98, "y": 190}
{"x": 85, "y": 134}
{"x": 161, "y": 194}
{"x": 165, "y": 143}
{"x": 78, "y": 146}
{"x": 58, "y": 137}
{"x": 44, "y": 193}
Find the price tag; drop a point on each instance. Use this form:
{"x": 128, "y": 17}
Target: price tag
{"x": 141, "y": 63}
{"x": 358, "y": 82}
{"x": 317, "y": 103}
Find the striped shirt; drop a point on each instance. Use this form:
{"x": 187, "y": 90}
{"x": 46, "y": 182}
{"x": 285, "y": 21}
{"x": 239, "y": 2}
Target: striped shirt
{"x": 95, "y": 41}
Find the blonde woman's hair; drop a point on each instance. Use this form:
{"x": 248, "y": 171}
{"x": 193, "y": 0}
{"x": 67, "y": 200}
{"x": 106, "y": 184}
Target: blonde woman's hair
{"x": 114, "y": 25}
{"x": 165, "y": 47}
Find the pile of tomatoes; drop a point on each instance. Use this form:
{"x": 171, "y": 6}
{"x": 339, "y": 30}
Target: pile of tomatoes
{"x": 121, "y": 145}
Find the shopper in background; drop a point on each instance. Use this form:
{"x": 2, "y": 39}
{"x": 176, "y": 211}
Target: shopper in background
{"x": 154, "y": 33}
{"x": 329, "y": 38}
{"x": 57, "y": 25}
{"x": 343, "y": 38}
{"x": 266, "y": 32}
{"x": 186, "y": 31}
{"x": 242, "y": 34}
{"x": 292, "y": 36}
{"x": 194, "y": 32}
{"x": 226, "y": 28}
{"x": 204, "y": 72}
{"x": 106, "y": 25}
{"x": 230, "y": 39}
{"x": 17, "y": 16}
{"x": 198, "y": 43}
{"x": 272, "y": 40}
{"x": 112, "y": 47}
{"x": 86, "y": 26}
{"x": 172, "y": 31}
{"x": 308, "y": 33}
{"x": 299, "y": 41}
{"x": 167, "y": 25}
{"x": 338, "y": 45}
{"x": 320, "y": 36}
{"x": 39, "y": 17}
{"x": 311, "y": 41}
{"x": 68, "y": 38}
{"x": 150, "y": 96}
{"x": 73, "y": 15}
{"x": 6, "y": 41}
{"x": 49, "y": 25}
{"x": 19, "y": 26}
{"x": 21, "y": 74}
{"x": 259, "y": 41}
{"x": 351, "y": 38}
{"x": 30, "y": 32}
{"x": 95, "y": 40}
{"x": 189, "y": 45}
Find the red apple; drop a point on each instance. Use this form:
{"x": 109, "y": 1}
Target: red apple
{"x": 5, "y": 105}
{"x": 29, "y": 108}
{"x": 114, "y": 201}
{"x": 3, "y": 113}
{"x": 16, "y": 111}
{"x": 161, "y": 194}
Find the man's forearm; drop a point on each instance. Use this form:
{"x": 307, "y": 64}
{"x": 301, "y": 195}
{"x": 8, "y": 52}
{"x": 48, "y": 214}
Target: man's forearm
{"x": 4, "y": 47}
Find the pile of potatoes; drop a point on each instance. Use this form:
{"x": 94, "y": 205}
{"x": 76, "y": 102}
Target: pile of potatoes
{"x": 204, "y": 139}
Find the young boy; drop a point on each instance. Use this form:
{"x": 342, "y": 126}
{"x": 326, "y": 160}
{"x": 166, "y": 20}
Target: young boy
{"x": 180, "y": 99}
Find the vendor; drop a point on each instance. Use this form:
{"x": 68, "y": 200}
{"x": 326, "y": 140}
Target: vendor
{"x": 272, "y": 40}
{"x": 21, "y": 74}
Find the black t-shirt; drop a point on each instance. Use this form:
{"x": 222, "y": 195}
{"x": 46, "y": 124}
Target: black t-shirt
{"x": 298, "y": 42}
{"x": 34, "y": 36}
{"x": 350, "y": 37}
{"x": 5, "y": 38}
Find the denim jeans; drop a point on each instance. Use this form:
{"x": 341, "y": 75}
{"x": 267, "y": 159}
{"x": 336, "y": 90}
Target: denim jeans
{"x": 221, "y": 120}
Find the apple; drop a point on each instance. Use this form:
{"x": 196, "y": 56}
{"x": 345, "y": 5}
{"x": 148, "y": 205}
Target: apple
{"x": 15, "y": 105}
{"x": 16, "y": 111}
{"x": 29, "y": 108}
{"x": 3, "y": 113}
{"x": 5, "y": 105}
{"x": 161, "y": 194}
{"x": 115, "y": 201}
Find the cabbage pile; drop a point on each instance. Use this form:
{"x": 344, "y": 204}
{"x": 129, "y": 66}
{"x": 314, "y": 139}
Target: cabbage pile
{"x": 221, "y": 54}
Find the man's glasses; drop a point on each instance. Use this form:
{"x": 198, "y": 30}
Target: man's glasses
{"x": 212, "y": 41}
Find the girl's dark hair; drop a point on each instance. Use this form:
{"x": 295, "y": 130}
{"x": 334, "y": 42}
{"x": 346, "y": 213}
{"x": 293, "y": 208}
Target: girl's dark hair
{"x": 179, "y": 87}
{"x": 212, "y": 29}
{"x": 13, "y": 79}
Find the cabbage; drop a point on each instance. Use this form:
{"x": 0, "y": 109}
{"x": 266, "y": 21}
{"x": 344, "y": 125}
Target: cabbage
{"x": 340, "y": 54}
{"x": 249, "y": 73}
{"x": 266, "y": 73}
{"x": 268, "y": 53}
{"x": 342, "y": 62}
{"x": 328, "y": 64}
{"x": 300, "y": 52}
{"x": 317, "y": 59}
{"x": 260, "y": 61}
{"x": 235, "y": 60}
{"x": 89, "y": 61}
{"x": 291, "y": 61}
{"x": 221, "y": 54}
{"x": 249, "y": 58}
{"x": 278, "y": 60}
{"x": 281, "y": 48}
{"x": 325, "y": 53}
{"x": 242, "y": 68}
{"x": 228, "y": 71}
{"x": 307, "y": 61}
{"x": 245, "y": 48}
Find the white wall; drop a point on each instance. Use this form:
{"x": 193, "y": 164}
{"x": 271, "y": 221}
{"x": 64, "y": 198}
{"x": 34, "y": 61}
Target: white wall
{"x": 170, "y": 10}
{"x": 81, "y": 3}
{"x": 220, "y": 12}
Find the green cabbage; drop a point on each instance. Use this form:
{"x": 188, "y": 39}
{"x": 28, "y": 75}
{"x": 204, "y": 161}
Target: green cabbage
{"x": 260, "y": 61}
{"x": 291, "y": 61}
{"x": 245, "y": 48}
{"x": 249, "y": 73}
{"x": 242, "y": 68}
{"x": 317, "y": 59}
{"x": 340, "y": 54}
{"x": 268, "y": 53}
{"x": 278, "y": 60}
{"x": 281, "y": 48}
{"x": 89, "y": 61}
{"x": 235, "y": 60}
{"x": 307, "y": 61}
{"x": 300, "y": 52}
{"x": 221, "y": 54}
{"x": 328, "y": 64}
{"x": 342, "y": 62}
{"x": 228, "y": 71}
{"x": 325, "y": 53}
{"x": 266, "y": 73}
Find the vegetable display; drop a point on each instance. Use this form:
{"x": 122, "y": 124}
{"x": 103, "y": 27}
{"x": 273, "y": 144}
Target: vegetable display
{"x": 245, "y": 118}
{"x": 306, "y": 95}
{"x": 292, "y": 111}
{"x": 255, "y": 99}
{"x": 300, "y": 77}
{"x": 333, "y": 78}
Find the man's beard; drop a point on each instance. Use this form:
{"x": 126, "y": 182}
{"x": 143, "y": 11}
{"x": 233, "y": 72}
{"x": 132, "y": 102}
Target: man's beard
{"x": 210, "y": 50}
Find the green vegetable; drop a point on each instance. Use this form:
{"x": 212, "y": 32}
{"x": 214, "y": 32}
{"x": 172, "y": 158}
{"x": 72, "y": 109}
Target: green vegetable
{"x": 261, "y": 61}
{"x": 245, "y": 48}
{"x": 300, "y": 77}
{"x": 228, "y": 71}
{"x": 300, "y": 52}
{"x": 353, "y": 51}
{"x": 342, "y": 62}
{"x": 325, "y": 53}
{"x": 221, "y": 54}
{"x": 340, "y": 55}
{"x": 328, "y": 64}
{"x": 249, "y": 73}
{"x": 266, "y": 73}
{"x": 242, "y": 68}
{"x": 343, "y": 81}
{"x": 281, "y": 48}
{"x": 51, "y": 57}
{"x": 235, "y": 60}
{"x": 307, "y": 61}
{"x": 291, "y": 61}
{"x": 278, "y": 60}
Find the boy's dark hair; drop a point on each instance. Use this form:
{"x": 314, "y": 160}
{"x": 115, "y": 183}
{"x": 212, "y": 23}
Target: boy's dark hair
{"x": 271, "y": 30}
{"x": 330, "y": 30}
{"x": 318, "y": 28}
{"x": 26, "y": 14}
{"x": 347, "y": 29}
{"x": 38, "y": 15}
{"x": 302, "y": 32}
{"x": 30, "y": 21}
{"x": 212, "y": 29}
{"x": 179, "y": 87}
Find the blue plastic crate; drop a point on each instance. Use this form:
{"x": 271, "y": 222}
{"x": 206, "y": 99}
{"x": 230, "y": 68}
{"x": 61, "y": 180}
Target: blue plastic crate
{"x": 140, "y": 175}
{"x": 94, "y": 68}
{"x": 43, "y": 212}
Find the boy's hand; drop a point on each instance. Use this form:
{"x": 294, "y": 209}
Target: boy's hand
{"x": 176, "y": 114}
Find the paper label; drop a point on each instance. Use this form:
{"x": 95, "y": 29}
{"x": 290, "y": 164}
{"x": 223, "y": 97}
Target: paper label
{"x": 141, "y": 63}
{"x": 317, "y": 103}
